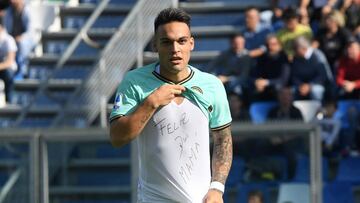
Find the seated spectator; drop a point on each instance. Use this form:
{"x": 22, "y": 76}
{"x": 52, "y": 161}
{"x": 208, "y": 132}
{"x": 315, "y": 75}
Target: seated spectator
{"x": 309, "y": 71}
{"x": 18, "y": 24}
{"x": 285, "y": 110}
{"x": 292, "y": 30}
{"x": 233, "y": 67}
{"x": 238, "y": 110}
{"x": 255, "y": 196}
{"x": 332, "y": 38}
{"x": 272, "y": 70}
{"x": 351, "y": 10}
{"x": 286, "y": 144}
{"x": 254, "y": 32}
{"x": 348, "y": 77}
{"x": 330, "y": 126}
{"x": 7, "y": 59}
{"x": 302, "y": 5}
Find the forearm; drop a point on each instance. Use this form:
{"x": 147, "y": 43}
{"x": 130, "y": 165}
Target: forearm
{"x": 126, "y": 128}
{"x": 222, "y": 155}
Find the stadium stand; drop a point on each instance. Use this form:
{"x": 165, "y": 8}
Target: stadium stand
{"x": 99, "y": 173}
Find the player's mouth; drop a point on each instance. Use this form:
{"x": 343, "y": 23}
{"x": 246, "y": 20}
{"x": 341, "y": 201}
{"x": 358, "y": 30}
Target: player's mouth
{"x": 176, "y": 60}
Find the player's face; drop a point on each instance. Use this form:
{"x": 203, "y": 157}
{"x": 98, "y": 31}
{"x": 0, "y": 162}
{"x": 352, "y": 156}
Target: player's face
{"x": 174, "y": 44}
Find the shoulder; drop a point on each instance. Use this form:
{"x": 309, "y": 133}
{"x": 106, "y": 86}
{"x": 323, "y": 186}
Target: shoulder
{"x": 140, "y": 72}
{"x": 303, "y": 28}
{"x": 205, "y": 77}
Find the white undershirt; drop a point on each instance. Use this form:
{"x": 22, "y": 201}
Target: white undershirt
{"x": 174, "y": 155}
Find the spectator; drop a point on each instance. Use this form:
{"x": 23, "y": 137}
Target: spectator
{"x": 254, "y": 32}
{"x": 348, "y": 77}
{"x": 18, "y": 24}
{"x": 332, "y": 38}
{"x": 285, "y": 110}
{"x": 351, "y": 10}
{"x": 233, "y": 66}
{"x": 309, "y": 71}
{"x": 285, "y": 144}
{"x": 238, "y": 110}
{"x": 330, "y": 126}
{"x": 255, "y": 196}
{"x": 272, "y": 70}
{"x": 291, "y": 31}
{"x": 7, "y": 59}
{"x": 302, "y": 5}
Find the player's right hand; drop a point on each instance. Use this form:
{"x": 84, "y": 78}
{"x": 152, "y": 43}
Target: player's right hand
{"x": 165, "y": 94}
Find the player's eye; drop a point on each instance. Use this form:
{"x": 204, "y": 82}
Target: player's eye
{"x": 183, "y": 41}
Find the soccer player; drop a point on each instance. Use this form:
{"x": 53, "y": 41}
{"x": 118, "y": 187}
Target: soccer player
{"x": 169, "y": 107}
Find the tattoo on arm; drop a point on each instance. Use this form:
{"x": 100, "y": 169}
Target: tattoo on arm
{"x": 222, "y": 154}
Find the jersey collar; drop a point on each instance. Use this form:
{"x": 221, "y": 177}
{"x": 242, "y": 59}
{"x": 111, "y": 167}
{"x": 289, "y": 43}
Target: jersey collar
{"x": 156, "y": 73}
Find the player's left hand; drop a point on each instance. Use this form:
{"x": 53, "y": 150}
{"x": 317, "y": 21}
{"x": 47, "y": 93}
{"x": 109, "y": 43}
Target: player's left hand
{"x": 213, "y": 196}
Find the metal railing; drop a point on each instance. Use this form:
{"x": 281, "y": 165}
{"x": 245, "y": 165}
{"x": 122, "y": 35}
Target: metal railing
{"x": 39, "y": 146}
{"x": 124, "y": 49}
{"x": 82, "y": 34}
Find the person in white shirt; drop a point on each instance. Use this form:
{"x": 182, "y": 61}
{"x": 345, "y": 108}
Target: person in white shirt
{"x": 8, "y": 65}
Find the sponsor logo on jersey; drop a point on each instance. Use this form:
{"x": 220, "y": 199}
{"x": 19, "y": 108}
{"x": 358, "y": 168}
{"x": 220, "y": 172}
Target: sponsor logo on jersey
{"x": 198, "y": 89}
{"x": 118, "y": 101}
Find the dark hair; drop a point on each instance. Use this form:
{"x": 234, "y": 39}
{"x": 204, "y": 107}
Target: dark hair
{"x": 235, "y": 35}
{"x": 290, "y": 13}
{"x": 251, "y": 8}
{"x": 256, "y": 193}
{"x": 1, "y": 21}
{"x": 169, "y": 15}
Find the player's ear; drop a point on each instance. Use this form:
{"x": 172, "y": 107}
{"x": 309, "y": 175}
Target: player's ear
{"x": 192, "y": 42}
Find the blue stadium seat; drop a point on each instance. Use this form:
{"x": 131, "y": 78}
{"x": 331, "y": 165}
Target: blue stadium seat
{"x": 337, "y": 192}
{"x": 97, "y": 201}
{"x": 36, "y": 123}
{"x": 214, "y": 19}
{"x": 244, "y": 190}
{"x": 76, "y": 22}
{"x": 103, "y": 177}
{"x": 4, "y": 176}
{"x": 349, "y": 170}
{"x": 294, "y": 193}
{"x": 342, "y": 111}
{"x": 107, "y": 151}
{"x": 259, "y": 111}
{"x": 111, "y": 2}
{"x": 218, "y": 44}
{"x": 236, "y": 172}
{"x": 302, "y": 173}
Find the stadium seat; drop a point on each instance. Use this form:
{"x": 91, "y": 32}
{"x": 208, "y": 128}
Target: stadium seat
{"x": 213, "y": 19}
{"x": 4, "y": 176}
{"x": 245, "y": 189}
{"x": 302, "y": 173}
{"x": 236, "y": 172}
{"x": 337, "y": 192}
{"x": 308, "y": 108}
{"x": 259, "y": 111}
{"x": 212, "y": 44}
{"x": 294, "y": 193}
{"x": 104, "y": 177}
{"x": 343, "y": 109}
{"x": 349, "y": 170}
{"x": 107, "y": 151}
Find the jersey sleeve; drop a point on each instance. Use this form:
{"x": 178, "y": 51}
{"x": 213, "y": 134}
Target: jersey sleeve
{"x": 220, "y": 115}
{"x": 126, "y": 99}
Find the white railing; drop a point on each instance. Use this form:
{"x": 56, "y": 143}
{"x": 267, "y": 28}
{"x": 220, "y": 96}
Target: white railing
{"x": 122, "y": 52}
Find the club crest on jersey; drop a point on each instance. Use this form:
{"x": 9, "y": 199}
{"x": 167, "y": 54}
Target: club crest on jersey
{"x": 118, "y": 101}
{"x": 198, "y": 89}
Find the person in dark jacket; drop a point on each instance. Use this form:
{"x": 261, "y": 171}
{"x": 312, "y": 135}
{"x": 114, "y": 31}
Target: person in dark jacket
{"x": 309, "y": 71}
{"x": 272, "y": 70}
